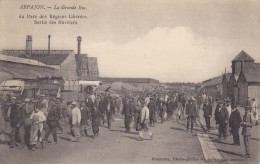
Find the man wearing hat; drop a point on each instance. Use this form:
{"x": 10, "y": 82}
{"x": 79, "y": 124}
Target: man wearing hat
{"x": 191, "y": 112}
{"x": 216, "y": 114}
{"x": 207, "y": 108}
{"x": 247, "y": 125}
{"x": 16, "y": 121}
{"x": 223, "y": 120}
{"x": 234, "y": 124}
{"x": 75, "y": 121}
{"x": 127, "y": 111}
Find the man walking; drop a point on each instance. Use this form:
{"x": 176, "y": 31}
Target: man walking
{"x": 128, "y": 114}
{"x": 16, "y": 120}
{"x": 75, "y": 121}
{"x": 223, "y": 120}
{"x": 190, "y": 113}
{"x": 109, "y": 109}
{"x": 52, "y": 122}
{"x": 234, "y": 123}
{"x": 144, "y": 122}
{"x": 207, "y": 108}
{"x": 152, "y": 109}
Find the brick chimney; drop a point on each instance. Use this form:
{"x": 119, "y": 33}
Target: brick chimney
{"x": 79, "y": 44}
{"x": 28, "y": 48}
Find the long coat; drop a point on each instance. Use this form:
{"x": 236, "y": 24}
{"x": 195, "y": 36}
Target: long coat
{"x": 152, "y": 107}
{"x": 223, "y": 115}
{"x": 191, "y": 109}
{"x": 247, "y": 124}
{"x": 16, "y": 115}
{"x": 235, "y": 119}
{"x": 127, "y": 108}
{"x": 95, "y": 117}
{"x": 53, "y": 117}
{"x": 216, "y": 114}
{"x": 207, "y": 108}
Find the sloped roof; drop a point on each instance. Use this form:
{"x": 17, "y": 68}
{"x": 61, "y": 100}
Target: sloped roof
{"x": 227, "y": 75}
{"x": 128, "y": 80}
{"x": 213, "y": 81}
{"x": 18, "y": 73}
{"x": 243, "y": 56}
{"x": 52, "y": 59}
{"x": 252, "y": 75}
{"x": 20, "y": 60}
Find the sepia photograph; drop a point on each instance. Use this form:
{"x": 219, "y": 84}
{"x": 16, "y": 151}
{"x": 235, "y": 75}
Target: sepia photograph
{"x": 129, "y": 81}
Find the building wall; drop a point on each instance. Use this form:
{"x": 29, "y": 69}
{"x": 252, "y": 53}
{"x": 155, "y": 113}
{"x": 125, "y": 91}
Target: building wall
{"x": 238, "y": 66}
{"x": 254, "y": 92}
{"x": 225, "y": 88}
{"x": 242, "y": 89}
{"x": 68, "y": 68}
{"x": 93, "y": 68}
{"x": 87, "y": 67}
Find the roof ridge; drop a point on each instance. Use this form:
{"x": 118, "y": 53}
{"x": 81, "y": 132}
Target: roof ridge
{"x": 243, "y": 56}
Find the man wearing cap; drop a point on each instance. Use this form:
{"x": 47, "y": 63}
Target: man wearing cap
{"x": 247, "y": 125}
{"x": 110, "y": 110}
{"x": 75, "y": 121}
{"x": 52, "y": 121}
{"x": 27, "y": 111}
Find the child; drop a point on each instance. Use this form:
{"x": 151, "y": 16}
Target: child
{"x": 95, "y": 121}
{"x": 38, "y": 118}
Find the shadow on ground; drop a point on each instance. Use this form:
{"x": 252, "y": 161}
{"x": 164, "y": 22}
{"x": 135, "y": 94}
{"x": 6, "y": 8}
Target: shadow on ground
{"x": 179, "y": 129}
{"x": 65, "y": 138}
{"x": 230, "y": 152}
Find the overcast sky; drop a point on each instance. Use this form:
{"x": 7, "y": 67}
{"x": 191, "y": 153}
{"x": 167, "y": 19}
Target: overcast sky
{"x": 169, "y": 40}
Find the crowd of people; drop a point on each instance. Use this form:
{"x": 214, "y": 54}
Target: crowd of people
{"x": 30, "y": 119}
